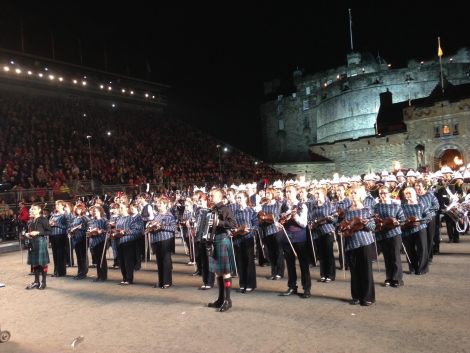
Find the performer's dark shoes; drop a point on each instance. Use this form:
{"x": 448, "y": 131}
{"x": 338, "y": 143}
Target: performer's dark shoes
{"x": 328, "y": 280}
{"x": 354, "y": 302}
{"x": 306, "y": 294}
{"x": 33, "y": 285}
{"x": 248, "y": 290}
{"x": 42, "y": 286}
{"x": 387, "y": 283}
{"x": 242, "y": 290}
{"x": 396, "y": 284}
{"x": 322, "y": 279}
{"x": 197, "y": 273}
{"x": 289, "y": 292}
{"x": 217, "y": 304}
{"x": 366, "y": 303}
{"x": 227, "y": 304}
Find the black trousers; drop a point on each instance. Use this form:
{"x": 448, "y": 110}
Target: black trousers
{"x": 362, "y": 279}
{"x": 139, "y": 251}
{"x": 162, "y": 250}
{"x": 312, "y": 247}
{"x": 327, "y": 258}
{"x": 275, "y": 254}
{"x": 261, "y": 251}
{"x": 437, "y": 232}
{"x": 101, "y": 269}
{"x": 245, "y": 257}
{"x": 126, "y": 255}
{"x": 208, "y": 277}
{"x": 302, "y": 253}
{"x": 451, "y": 229}
{"x": 80, "y": 251}
{"x": 416, "y": 245}
{"x": 430, "y": 230}
{"x": 59, "y": 253}
{"x": 391, "y": 248}
{"x": 69, "y": 261}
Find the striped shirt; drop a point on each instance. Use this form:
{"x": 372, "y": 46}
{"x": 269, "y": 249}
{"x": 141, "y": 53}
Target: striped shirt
{"x": 369, "y": 201}
{"x": 79, "y": 234}
{"x": 168, "y": 222}
{"x": 318, "y": 212}
{"x": 232, "y": 206}
{"x": 59, "y": 221}
{"x": 133, "y": 228}
{"x": 343, "y": 204}
{"x": 102, "y": 224}
{"x": 431, "y": 202}
{"x": 420, "y": 211}
{"x": 362, "y": 237}
{"x": 246, "y": 217}
{"x": 385, "y": 210}
{"x": 275, "y": 210}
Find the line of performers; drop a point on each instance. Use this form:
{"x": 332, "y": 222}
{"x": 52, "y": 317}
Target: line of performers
{"x": 224, "y": 230}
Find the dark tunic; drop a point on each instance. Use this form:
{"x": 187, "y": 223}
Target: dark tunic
{"x": 38, "y": 254}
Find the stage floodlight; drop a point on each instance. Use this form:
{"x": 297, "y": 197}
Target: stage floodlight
{"x": 51, "y": 77}
{"x": 40, "y": 74}
{"x": 6, "y": 68}
{"x": 75, "y": 82}
{"x": 18, "y": 71}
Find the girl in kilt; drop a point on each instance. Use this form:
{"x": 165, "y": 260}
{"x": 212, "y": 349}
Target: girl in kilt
{"x": 222, "y": 262}
{"x": 38, "y": 255}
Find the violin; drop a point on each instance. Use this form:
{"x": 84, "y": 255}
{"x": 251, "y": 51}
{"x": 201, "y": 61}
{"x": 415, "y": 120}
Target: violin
{"x": 242, "y": 230}
{"x": 348, "y": 228}
{"x": 92, "y": 233}
{"x": 288, "y": 216}
{"x": 385, "y": 224}
{"x": 411, "y": 222}
{"x": 152, "y": 227}
{"x": 265, "y": 218}
{"x": 117, "y": 233}
{"x": 74, "y": 229}
{"x": 321, "y": 221}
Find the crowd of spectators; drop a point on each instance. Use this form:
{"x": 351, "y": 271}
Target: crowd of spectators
{"x": 44, "y": 145}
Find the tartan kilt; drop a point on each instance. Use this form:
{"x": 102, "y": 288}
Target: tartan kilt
{"x": 222, "y": 260}
{"x": 39, "y": 255}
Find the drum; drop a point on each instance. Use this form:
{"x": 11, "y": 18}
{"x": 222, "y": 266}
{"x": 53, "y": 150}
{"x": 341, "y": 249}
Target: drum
{"x": 457, "y": 212}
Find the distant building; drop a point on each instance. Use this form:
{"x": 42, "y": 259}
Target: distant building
{"x": 344, "y": 120}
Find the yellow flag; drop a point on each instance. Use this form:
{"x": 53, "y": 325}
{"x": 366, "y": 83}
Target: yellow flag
{"x": 439, "y": 50}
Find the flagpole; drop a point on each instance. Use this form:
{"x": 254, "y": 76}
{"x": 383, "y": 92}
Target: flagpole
{"x": 439, "y": 53}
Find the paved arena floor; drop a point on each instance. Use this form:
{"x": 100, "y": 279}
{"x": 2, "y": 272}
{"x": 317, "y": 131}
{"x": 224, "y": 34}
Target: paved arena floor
{"x": 430, "y": 313}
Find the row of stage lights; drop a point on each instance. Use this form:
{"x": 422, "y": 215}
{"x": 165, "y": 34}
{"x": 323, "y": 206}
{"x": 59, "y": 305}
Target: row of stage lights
{"x": 83, "y": 82}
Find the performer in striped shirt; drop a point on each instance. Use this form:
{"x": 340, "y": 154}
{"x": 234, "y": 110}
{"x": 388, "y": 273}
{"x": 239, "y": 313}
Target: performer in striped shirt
{"x": 295, "y": 215}
{"x": 247, "y": 222}
{"x": 129, "y": 228}
{"x": 342, "y": 204}
{"x": 97, "y": 228}
{"x": 164, "y": 225}
{"x": 114, "y": 216}
{"x": 58, "y": 238}
{"x": 360, "y": 247}
{"x": 140, "y": 240}
{"x": 428, "y": 199}
{"x": 414, "y": 237}
{"x": 390, "y": 240}
{"x": 272, "y": 236}
{"x": 77, "y": 230}
{"x": 323, "y": 215}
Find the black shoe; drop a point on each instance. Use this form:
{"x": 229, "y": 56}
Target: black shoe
{"x": 387, "y": 283}
{"x": 366, "y": 303}
{"x": 97, "y": 280}
{"x": 354, "y": 302}
{"x": 227, "y": 304}
{"x": 197, "y": 273}
{"x": 289, "y": 292}
{"x": 328, "y": 279}
{"x": 306, "y": 294}
{"x": 42, "y": 286}
{"x": 217, "y": 304}
{"x": 322, "y": 279}
{"x": 242, "y": 290}
{"x": 271, "y": 278}
{"x": 396, "y": 284}
{"x": 33, "y": 285}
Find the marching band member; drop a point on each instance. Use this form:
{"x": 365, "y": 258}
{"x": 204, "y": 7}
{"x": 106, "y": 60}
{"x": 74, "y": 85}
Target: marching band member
{"x": 68, "y": 211}
{"x": 183, "y": 216}
{"x": 359, "y": 245}
{"x": 162, "y": 230}
{"x": 147, "y": 214}
{"x": 294, "y": 217}
{"x": 97, "y": 228}
{"x": 58, "y": 238}
{"x": 428, "y": 199}
{"x": 247, "y": 222}
{"x": 38, "y": 255}
{"x": 272, "y": 235}
{"x": 202, "y": 211}
{"x": 390, "y": 238}
{"x": 77, "y": 230}
{"x": 342, "y": 204}
{"x": 114, "y": 216}
{"x": 323, "y": 215}
{"x": 140, "y": 240}
{"x": 414, "y": 234}
{"x": 127, "y": 230}
{"x": 222, "y": 263}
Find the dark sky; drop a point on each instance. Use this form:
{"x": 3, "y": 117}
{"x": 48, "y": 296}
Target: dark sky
{"x": 216, "y": 55}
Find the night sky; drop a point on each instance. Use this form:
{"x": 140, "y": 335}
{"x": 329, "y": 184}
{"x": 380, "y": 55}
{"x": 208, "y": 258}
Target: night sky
{"x": 216, "y": 55}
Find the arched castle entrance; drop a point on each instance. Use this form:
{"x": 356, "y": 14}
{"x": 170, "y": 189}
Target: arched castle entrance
{"x": 448, "y": 155}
